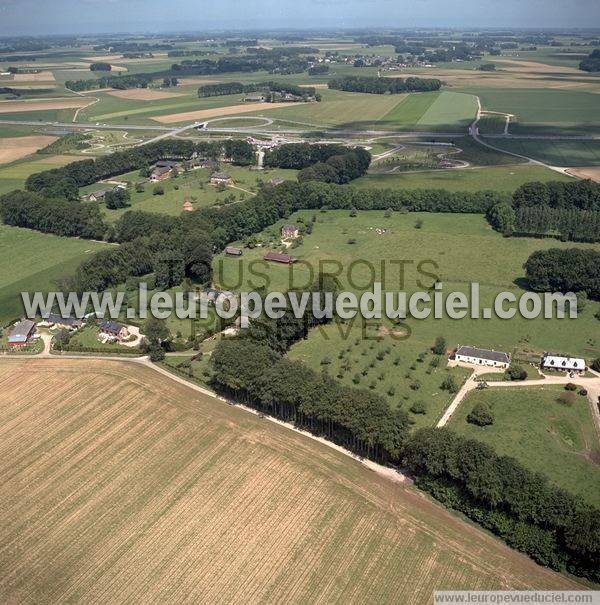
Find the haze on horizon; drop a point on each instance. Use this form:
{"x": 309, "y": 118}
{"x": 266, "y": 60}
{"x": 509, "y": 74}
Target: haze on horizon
{"x": 22, "y": 17}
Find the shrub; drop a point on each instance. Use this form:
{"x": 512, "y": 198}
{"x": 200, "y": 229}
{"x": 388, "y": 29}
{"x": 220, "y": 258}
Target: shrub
{"x": 570, "y": 386}
{"x": 515, "y": 372}
{"x": 481, "y": 415}
{"x": 583, "y": 392}
{"x": 418, "y": 407}
{"x": 158, "y": 190}
{"x": 439, "y": 347}
{"x": 449, "y": 384}
{"x": 596, "y": 363}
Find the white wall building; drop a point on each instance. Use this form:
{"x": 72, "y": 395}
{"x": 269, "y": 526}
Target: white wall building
{"x": 483, "y": 357}
{"x": 563, "y": 364}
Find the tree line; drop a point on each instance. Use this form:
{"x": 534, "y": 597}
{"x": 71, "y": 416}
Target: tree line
{"x": 120, "y": 82}
{"x": 552, "y": 526}
{"x": 233, "y": 88}
{"x": 382, "y": 86}
{"x": 591, "y": 62}
{"x": 340, "y": 168}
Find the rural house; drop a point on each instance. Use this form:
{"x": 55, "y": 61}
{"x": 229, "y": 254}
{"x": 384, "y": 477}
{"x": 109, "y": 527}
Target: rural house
{"x": 96, "y": 196}
{"x": 290, "y": 231}
{"x": 275, "y": 181}
{"x": 254, "y": 99}
{"x": 482, "y": 357}
{"x": 187, "y": 206}
{"x": 221, "y": 178}
{"x": 65, "y": 323}
{"x": 278, "y": 257}
{"x": 231, "y": 251}
{"x": 563, "y": 364}
{"x": 160, "y": 174}
{"x": 113, "y": 330}
{"x": 21, "y": 333}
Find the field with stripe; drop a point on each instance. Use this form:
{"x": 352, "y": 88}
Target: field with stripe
{"x": 118, "y": 484}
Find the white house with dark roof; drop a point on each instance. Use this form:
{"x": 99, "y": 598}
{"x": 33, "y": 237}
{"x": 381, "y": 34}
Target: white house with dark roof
{"x": 482, "y": 357}
{"x": 563, "y": 364}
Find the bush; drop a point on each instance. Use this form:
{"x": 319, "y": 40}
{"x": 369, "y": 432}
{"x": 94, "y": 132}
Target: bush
{"x": 596, "y": 363}
{"x": 515, "y": 372}
{"x": 481, "y": 415}
{"x": 158, "y": 190}
{"x": 439, "y": 347}
{"x": 418, "y": 407}
{"x": 449, "y": 384}
{"x": 570, "y": 386}
{"x": 583, "y": 392}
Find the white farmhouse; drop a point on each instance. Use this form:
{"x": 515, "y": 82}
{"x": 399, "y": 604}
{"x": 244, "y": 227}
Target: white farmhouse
{"x": 483, "y": 357}
{"x": 562, "y": 364}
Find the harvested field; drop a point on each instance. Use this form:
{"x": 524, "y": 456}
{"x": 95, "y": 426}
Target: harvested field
{"x": 42, "y": 76}
{"x": 586, "y": 172}
{"x": 313, "y": 85}
{"x": 120, "y": 485}
{"x": 12, "y": 149}
{"x": 535, "y": 67}
{"x": 37, "y": 105}
{"x": 202, "y": 114}
{"x": 143, "y": 94}
{"x": 194, "y": 81}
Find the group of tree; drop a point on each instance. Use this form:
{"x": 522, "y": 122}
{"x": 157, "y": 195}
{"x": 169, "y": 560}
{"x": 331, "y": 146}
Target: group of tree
{"x": 559, "y": 270}
{"x": 591, "y": 62}
{"x": 382, "y": 86}
{"x": 100, "y": 67}
{"x": 118, "y": 197}
{"x": 552, "y": 526}
{"x": 318, "y": 69}
{"x": 568, "y": 210}
{"x": 340, "y": 168}
{"x": 120, "y": 82}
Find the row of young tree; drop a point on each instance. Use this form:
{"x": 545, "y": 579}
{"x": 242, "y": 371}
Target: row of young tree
{"x": 551, "y": 525}
{"x": 382, "y": 86}
{"x": 558, "y": 270}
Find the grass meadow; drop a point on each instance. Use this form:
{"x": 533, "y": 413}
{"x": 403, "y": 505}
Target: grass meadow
{"x": 545, "y": 435}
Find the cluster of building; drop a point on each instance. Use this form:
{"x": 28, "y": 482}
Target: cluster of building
{"x": 500, "y": 359}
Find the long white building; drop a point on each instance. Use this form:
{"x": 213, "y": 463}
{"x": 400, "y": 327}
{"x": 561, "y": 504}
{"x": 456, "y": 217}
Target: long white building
{"x": 483, "y": 357}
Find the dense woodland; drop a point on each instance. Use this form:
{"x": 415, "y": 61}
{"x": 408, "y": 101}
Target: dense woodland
{"x": 232, "y": 88}
{"x": 591, "y": 62}
{"x": 381, "y": 86}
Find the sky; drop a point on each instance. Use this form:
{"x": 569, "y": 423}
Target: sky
{"x": 19, "y": 17}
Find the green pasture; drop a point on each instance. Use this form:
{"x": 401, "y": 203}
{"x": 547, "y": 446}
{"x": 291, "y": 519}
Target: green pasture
{"x": 555, "y": 153}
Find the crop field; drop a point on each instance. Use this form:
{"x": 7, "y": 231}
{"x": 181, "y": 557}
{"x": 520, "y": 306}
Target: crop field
{"x": 16, "y": 148}
{"x": 458, "y": 249}
{"x": 117, "y": 483}
{"x": 42, "y": 105}
{"x": 497, "y": 178}
{"x": 545, "y": 435}
{"x": 32, "y": 261}
{"x": 545, "y": 111}
{"x": 555, "y": 153}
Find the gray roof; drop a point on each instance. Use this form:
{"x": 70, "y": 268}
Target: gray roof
{"x": 484, "y": 354}
{"x": 21, "y": 332}
{"x": 112, "y": 327}
{"x": 220, "y": 175}
{"x": 55, "y": 318}
{"x": 161, "y": 170}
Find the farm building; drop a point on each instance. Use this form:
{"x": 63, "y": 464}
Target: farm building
{"x": 254, "y": 99}
{"x": 21, "y": 333}
{"x": 65, "y": 323}
{"x": 563, "y": 364}
{"x": 277, "y": 257}
{"x": 96, "y": 196}
{"x": 187, "y": 206}
{"x": 168, "y": 164}
{"x": 231, "y": 251}
{"x": 275, "y": 181}
{"x": 113, "y": 329}
{"x": 482, "y": 357}
{"x": 290, "y": 232}
{"x": 221, "y": 178}
{"x": 160, "y": 173}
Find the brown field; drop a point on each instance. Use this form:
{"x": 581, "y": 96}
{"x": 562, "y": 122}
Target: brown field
{"x": 194, "y": 81}
{"x": 586, "y": 172}
{"x": 143, "y": 94}
{"x": 120, "y": 485}
{"x": 42, "y": 105}
{"x": 535, "y": 67}
{"x": 42, "y": 76}
{"x": 215, "y": 112}
{"x": 313, "y": 85}
{"x": 12, "y": 149}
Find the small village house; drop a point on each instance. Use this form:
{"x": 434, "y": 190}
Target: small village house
{"x": 482, "y": 357}
{"x": 21, "y": 334}
{"x": 160, "y": 173}
{"x": 231, "y": 251}
{"x": 563, "y": 364}
{"x": 279, "y": 257}
{"x": 113, "y": 330}
{"x": 221, "y": 178}
{"x": 290, "y": 232}
{"x": 64, "y": 323}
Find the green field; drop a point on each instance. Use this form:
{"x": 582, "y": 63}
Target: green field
{"x": 459, "y": 249}
{"x": 543, "y": 434}
{"x": 32, "y": 261}
{"x": 13, "y": 176}
{"x": 555, "y": 153}
{"x": 498, "y": 178}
